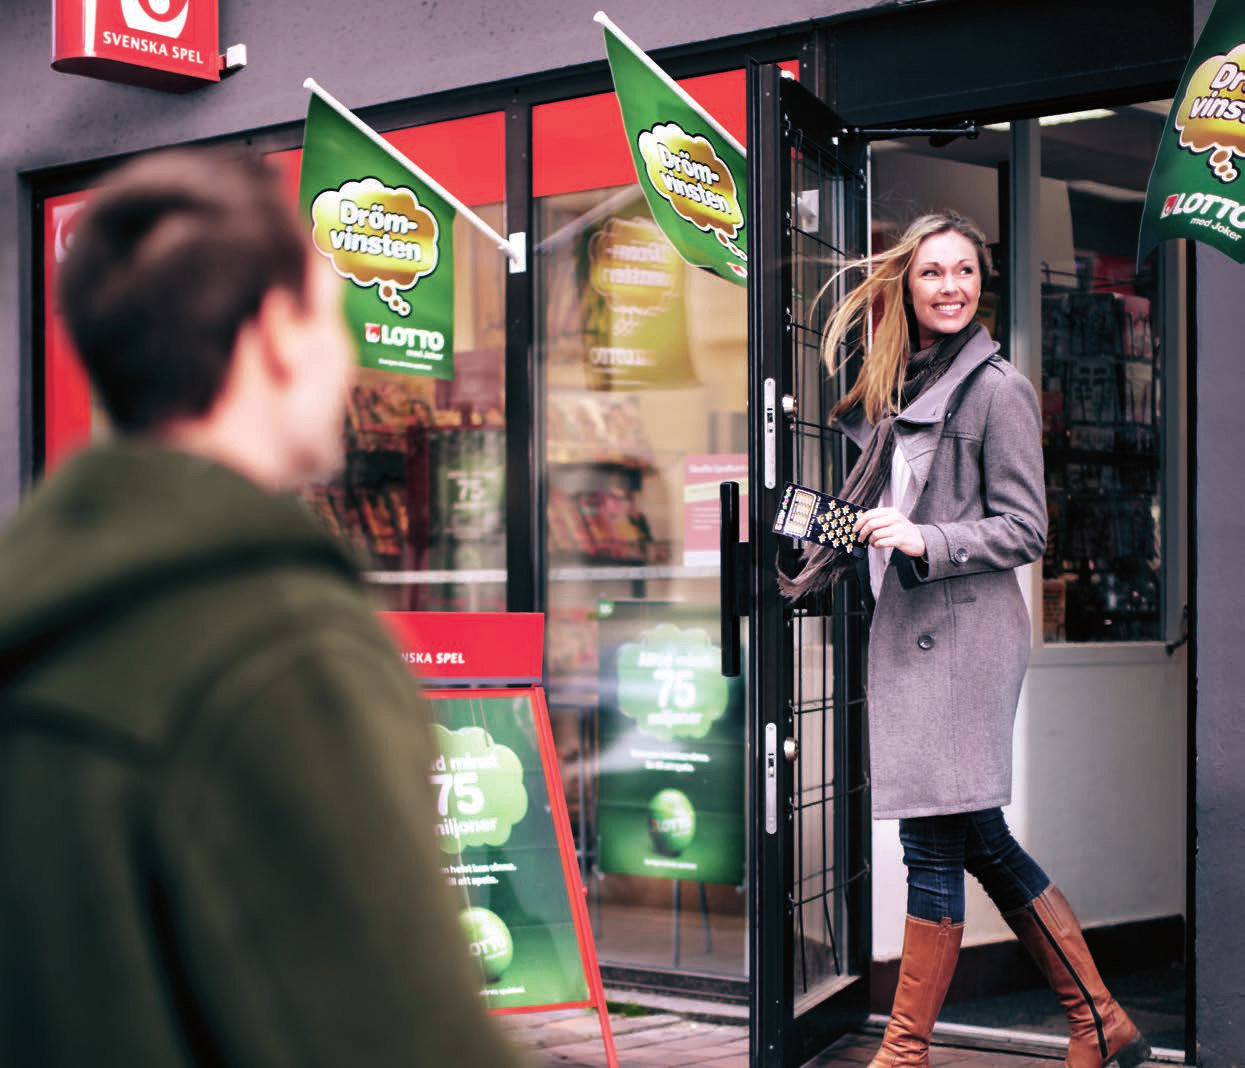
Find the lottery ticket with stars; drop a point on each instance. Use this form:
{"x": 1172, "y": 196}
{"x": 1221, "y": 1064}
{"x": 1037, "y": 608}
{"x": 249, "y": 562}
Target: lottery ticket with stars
{"x": 820, "y": 518}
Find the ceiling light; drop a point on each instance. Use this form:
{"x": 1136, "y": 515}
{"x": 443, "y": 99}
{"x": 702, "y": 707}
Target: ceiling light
{"x": 1059, "y": 120}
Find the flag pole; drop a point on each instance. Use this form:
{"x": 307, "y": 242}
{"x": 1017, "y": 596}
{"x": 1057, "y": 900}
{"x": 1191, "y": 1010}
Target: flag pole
{"x": 674, "y": 86}
{"x": 502, "y": 244}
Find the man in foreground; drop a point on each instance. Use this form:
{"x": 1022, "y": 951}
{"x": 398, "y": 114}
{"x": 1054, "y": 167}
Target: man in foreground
{"x": 216, "y": 827}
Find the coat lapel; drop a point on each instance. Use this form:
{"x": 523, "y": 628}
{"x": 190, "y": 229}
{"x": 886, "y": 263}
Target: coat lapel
{"x": 918, "y": 428}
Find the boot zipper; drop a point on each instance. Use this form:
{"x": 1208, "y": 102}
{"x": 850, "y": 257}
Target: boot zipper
{"x": 1098, "y": 1025}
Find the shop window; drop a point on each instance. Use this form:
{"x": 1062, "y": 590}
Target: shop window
{"x": 1105, "y": 347}
{"x": 644, "y": 366}
{"x": 1102, "y": 369}
{"x": 422, "y": 491}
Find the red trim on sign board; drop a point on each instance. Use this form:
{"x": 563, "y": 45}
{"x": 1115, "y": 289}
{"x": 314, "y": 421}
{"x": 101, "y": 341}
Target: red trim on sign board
{"x": 577, "y": 896}
{"x": 136, "y": 43}
{"x": 470, "y": 648}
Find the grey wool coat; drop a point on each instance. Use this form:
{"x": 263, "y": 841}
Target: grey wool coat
{"x": 949, "y": 641}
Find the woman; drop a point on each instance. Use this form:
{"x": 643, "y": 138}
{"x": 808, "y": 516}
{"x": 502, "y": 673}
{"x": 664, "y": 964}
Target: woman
{"x": 952, "y": 471}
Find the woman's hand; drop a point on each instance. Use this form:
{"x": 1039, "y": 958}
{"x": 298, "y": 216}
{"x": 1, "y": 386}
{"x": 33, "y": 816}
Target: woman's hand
{"x": 889, "y": 528}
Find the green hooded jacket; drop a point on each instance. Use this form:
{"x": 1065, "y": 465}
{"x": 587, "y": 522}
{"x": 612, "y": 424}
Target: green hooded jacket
{"x": 216, "y": 823}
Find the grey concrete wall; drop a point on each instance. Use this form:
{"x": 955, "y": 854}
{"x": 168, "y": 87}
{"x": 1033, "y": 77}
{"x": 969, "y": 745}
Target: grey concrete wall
{"x": 1219, "y": 399}
{"x": 364, "y": 51}
{"x": 1217, "y": 392}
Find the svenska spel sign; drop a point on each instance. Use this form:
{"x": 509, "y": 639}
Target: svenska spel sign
{"x": 157, "y": 44}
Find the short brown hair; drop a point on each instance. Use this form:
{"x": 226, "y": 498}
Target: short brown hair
{"x": 170, "y": 257}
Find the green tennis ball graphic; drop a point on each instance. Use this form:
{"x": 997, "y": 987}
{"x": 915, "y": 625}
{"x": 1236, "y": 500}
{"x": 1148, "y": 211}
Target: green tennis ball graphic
{"x": 489, "y": 941}
{"x": 671, "y": 822}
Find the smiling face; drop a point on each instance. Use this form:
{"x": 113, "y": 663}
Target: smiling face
{"x": 944, "y": 285}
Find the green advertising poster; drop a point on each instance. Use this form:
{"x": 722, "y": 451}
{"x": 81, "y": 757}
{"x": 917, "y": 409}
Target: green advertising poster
{"x": 390, "y": 237}
{"x": 501, "y": 851}
{"x": 692, "y": 171}
{"x": 1195, "y": 188}
{"x": 672, "y": 776}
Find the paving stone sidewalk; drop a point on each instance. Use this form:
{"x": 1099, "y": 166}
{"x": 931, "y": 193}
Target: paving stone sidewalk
{"x": 571, "y": 1038}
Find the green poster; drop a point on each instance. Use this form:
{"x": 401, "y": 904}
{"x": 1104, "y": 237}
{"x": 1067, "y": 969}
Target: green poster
{"x": 1195, "y": 189}
{"x": 671, "y": 789}
{"x": 390, "y": 237}
{"x": 501, "y": 851}
{"x": 692, "y": 175}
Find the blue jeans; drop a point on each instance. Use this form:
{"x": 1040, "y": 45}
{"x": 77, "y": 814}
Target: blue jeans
{"x": 938, "y": 850}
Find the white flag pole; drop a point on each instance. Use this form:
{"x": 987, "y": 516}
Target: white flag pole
{"x": 674, "y": 86}
{"x": 516, "y": 257}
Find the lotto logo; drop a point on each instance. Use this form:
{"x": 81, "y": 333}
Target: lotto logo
{"x": 155, "y": 16}
{"x": 371, "y": 332}
{"x": 1169, "y": 205}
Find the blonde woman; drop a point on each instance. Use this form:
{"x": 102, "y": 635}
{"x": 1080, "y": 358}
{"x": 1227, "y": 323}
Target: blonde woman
{"x": 951, "y": 474}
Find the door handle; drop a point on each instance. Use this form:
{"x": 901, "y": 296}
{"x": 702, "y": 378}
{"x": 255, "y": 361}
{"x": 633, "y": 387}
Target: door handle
{"x": 734, "y": 585}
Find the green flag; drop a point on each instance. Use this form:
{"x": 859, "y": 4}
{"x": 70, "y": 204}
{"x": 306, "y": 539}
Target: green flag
{"x": 390, "y": 236}
{"x": 691, "y": 170}
{"x": 1195, "y": 189}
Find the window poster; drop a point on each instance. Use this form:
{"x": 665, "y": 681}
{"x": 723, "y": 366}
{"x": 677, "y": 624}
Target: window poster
{"x": 672, "y": 766}
{"x": 501, "y": 851}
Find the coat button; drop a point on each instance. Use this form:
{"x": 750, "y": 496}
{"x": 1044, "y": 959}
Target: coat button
{"x": 925, "y": 641}
{"x": 960, "y": 556}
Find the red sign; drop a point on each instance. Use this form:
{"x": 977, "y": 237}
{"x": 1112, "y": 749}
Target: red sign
{"x": 476, "y": 648}
{"x": 158, "y": 44}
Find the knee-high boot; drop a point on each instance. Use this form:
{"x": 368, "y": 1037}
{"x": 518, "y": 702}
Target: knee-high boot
{"x": 1101, "y": 1032}
{"x": 930, "y": 951}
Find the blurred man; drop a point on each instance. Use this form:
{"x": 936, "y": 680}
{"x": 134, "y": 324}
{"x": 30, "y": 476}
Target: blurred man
{"x": 216, "y": 827}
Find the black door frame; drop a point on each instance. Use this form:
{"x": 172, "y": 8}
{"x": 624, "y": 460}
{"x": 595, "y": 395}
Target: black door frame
{"x": 780, "y": 112}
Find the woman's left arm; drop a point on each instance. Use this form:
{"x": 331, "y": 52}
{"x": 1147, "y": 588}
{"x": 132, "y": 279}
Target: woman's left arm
{"x": 1013, "y": 494}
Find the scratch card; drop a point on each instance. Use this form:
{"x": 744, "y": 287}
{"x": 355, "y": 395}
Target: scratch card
{"x": 821, "y": 518}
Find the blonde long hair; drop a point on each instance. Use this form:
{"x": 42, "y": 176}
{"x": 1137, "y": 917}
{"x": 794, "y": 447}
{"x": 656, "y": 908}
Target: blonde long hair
{"x": 877, "y": 387}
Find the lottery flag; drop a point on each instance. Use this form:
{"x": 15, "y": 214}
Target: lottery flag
{"x": 1195, "y": 188}
{"x": 691, "y": 169}
{"x": 388, "y": 230}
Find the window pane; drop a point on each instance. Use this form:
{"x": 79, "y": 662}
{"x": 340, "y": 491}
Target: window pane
{"x": 1102, "y": 367}
{"x": 422, "y": 494}
{"x": 644, "y": 367}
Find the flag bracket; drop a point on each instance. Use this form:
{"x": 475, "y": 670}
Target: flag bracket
{"x": 518, "y": 242}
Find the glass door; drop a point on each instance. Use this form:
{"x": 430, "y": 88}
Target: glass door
{"x": 642, "y": 407}
{"x": 810, "y": 874}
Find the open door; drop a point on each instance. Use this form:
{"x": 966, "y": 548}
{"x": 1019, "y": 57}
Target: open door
{"x": 810, "y": 931}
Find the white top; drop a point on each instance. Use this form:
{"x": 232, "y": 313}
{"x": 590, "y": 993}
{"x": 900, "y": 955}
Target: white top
{"x": 892, "y": 493}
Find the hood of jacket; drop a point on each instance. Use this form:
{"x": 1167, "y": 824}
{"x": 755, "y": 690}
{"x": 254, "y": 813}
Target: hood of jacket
{"x": 123, "y": 522}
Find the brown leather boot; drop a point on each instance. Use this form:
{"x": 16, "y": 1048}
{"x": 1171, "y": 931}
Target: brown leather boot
{"x": 1101, "y": 1033}
{"x": 930, "y": 951}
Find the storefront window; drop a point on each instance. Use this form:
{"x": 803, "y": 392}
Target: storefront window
{"x": 1102, "y": 372}
{"x": 644, "y": 361}
{"x": 422, "y": 494}
{"x": 1101, "y": 363}
{"x": 422, "y": 491}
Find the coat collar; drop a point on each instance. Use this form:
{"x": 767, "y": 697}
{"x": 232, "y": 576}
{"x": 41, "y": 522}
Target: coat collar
{"x": 931, "y": 406}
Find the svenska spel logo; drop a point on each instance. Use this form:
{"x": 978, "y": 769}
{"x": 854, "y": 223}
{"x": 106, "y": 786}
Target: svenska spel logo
{"x": 1169, "y": 205}
{"x": 155, "y": 16}
{"x": 371, "y": 332}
